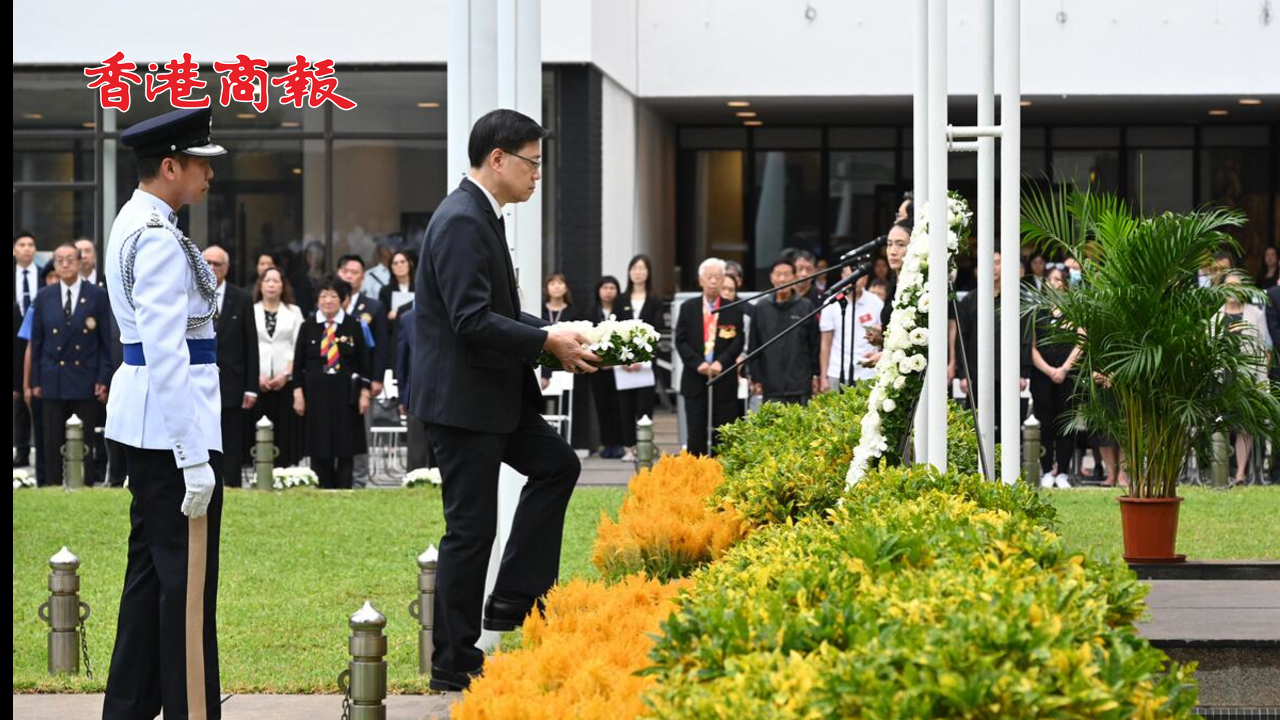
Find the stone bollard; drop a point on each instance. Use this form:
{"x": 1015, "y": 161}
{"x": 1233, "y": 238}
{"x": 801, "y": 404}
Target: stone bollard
{"x": 65, "y": 614}
{"x": 1219, "y": 470}
{"x": 264, "y": 453}
{"x": 423, "y": 609}
{"x": 73, "y": 454}
{"x": 364, "y": 682}
{"x": 645, "y": 448}
{"x": 1031, "y": 449}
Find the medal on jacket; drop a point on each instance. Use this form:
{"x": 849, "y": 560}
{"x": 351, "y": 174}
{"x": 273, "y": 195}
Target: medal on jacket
{"x": 709, "y": 318}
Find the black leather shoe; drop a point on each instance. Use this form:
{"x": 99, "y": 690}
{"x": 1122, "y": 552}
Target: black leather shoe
{"x": 449, "y": 681}
{"x": 504, "y": 612}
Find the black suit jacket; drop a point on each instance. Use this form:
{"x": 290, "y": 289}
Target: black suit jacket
{"x": 372, "y": 313}
{"x": 729, "y": 344}
{"x": 237, "y": 347}
{"x": 650, "y": 312}
{"x": 475, "y": 347}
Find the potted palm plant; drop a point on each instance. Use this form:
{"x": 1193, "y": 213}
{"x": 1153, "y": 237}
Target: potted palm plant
{"x": 1160, "y": 371}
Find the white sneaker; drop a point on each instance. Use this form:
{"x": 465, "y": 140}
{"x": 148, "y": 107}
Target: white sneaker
{"x": 1062, "y": 482}
{"x": 629, "y": 456}
{"x": 1047, "y": 481}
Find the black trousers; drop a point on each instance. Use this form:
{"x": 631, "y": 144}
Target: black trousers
{"x": 604, "y": 391}
{"x": 1051, "y": 402}
{"x": 633, "y": 405}
{"x": 22, "y": 431}
{"x": 233, "y": 445}
{"x": 419, "y": 454}
{"x": 166, "y": 651}
{"x": 55, "y": 416}
{"x": 469, "y": 464}
{"x": 727, "y": 409}
{"x": 334, "y": 473}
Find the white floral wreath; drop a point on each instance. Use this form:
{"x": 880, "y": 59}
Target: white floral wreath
{"x": 899, "y": 374}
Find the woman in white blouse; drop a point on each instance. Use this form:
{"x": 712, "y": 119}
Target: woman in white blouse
{"x": 278, "y": 320}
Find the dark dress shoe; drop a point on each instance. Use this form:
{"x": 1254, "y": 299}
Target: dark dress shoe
{"x": 449, "y": 681}
{"x": 504, "y": 612}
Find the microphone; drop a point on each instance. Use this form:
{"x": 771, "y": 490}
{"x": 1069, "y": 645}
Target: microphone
{"x": 866, "y": 249}
{"x": 860, "y": 272}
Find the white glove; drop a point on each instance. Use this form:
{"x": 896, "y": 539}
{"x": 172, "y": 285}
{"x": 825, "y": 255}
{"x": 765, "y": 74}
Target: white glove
{"x": 200, "y": 482}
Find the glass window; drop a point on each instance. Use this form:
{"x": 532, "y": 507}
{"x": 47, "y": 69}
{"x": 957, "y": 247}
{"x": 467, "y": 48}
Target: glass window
{"x": 1084, "y": 168}
{"x": 66, "y": 160}
{"x": 385, "y": 189}
{"x": 1161, "y": 180}
{"x": 718, "y": 208}
{"x": 55, "y": 216}
{"x": 404, "y": 101}
{"x": 713, "y": 138}
{"x": 786, "y": 206}
{"x": 787, "y": 138}
{"x": 863, "y": 195}
{"x": 859, "y": 138}
{"x": 1086, "y": 137}
{"x": 1239, "y": 178}
{"x": 52, "y": 101}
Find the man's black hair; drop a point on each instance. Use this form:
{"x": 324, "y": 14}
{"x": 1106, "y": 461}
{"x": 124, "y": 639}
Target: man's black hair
{"x": 505, "y": 130}
{"x": 350, "y": 257}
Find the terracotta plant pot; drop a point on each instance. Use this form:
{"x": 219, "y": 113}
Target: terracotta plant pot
{"x": 1150, "y": 529}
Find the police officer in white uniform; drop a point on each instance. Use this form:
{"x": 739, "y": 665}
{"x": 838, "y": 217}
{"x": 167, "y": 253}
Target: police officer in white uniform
{"x": 164, "y": 408}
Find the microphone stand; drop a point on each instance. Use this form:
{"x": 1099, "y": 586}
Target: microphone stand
{"x": 835, "y": 293}
{"x": 852, "y": 257}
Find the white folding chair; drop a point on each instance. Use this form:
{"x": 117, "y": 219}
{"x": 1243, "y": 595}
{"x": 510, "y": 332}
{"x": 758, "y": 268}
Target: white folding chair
{"x": 560, "y": 389}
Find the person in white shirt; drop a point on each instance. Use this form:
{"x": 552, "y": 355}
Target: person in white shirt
{"x": 27, "y": 281}
{"x": 845, "y": 347}
{"x": 277, "y": 320}
{"x": 89, "y": 262}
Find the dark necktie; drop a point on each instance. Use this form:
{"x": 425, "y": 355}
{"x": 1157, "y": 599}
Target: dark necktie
{"x": 26, "y": 291}
{"x": 66, "y": 309}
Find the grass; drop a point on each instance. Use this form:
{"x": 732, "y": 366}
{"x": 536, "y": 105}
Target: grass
{"x": 295, "y": 565}
{"x": 1243, "y": 523}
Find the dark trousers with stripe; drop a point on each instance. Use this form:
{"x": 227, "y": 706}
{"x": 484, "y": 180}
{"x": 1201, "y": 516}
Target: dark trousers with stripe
{"x": 166, "y": 651}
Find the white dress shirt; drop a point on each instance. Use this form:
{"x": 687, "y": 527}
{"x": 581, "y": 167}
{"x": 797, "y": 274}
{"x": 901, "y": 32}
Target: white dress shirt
{"x": 75, "y": 293}
{"x": 497, "y": 209}
{"x": 30, "y": 273}
{"x": 857, "y": 318}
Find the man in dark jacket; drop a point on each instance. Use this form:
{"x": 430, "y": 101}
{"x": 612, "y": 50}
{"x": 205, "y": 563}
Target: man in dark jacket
{"x": 787, "y": 371}
{"x": 474, "y": 387}
{"x": 709, "y": 341}
{"x": 237, "y": 364}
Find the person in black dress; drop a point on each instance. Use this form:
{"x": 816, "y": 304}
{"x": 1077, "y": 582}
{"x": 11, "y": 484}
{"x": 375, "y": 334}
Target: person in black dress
{"x": 604, "y": 389}
{"x": 638, "y": 303}
{"x": 1051, "y": 389}
{"x": 331, "y": 369}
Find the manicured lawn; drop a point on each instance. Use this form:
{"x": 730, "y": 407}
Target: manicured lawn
{"x": 295, "y": 565}
{"x": 1243, "y": 523}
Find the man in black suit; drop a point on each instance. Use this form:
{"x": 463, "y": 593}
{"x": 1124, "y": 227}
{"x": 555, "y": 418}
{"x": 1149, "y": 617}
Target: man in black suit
{"x": 237, "y": 364}
{"x": 27, "y": 281}
{"x": 474, "y": 388}
{"x": 373, "y": 316}
{"x": 708, "y": 340}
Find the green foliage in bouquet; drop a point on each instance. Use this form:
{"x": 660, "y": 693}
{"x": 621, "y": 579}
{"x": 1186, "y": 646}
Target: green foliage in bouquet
{"x": 617, "y": 342}
{"x": 950, "y": 603}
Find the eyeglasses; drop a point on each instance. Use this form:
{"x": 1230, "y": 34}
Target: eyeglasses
{"x": 537, "y": 164}
{"x": 66, "y": 260}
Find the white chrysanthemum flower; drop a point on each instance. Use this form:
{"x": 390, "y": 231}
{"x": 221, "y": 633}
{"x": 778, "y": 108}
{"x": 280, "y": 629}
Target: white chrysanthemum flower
{"x": 919, "y": 336}
{"x": 889, "y": 405}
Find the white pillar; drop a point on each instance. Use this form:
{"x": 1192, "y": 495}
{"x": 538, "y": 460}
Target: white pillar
{"x": 920, "y": 178}
{"x": 520, "y": 89}
{"x": 986, "y": 244}
{"x": 1010, "y": 239}
{"x": 495, "y": 60}
{"x": 936, "y": 383}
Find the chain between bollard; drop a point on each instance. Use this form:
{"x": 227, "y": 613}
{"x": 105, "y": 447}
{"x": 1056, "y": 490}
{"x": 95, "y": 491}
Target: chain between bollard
{"x": 84, "y": 650}
{"x": 344, "y": 684}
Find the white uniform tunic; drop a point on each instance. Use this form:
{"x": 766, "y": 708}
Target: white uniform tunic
{"x": 167, "y": 404}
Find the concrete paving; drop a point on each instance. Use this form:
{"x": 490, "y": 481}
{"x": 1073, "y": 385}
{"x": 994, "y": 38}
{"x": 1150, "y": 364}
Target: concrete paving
{"x": 243, "y": 707}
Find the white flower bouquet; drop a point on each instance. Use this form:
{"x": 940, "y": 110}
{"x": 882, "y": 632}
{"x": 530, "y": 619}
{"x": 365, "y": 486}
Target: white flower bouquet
{"x": 294, "y": 477}
{"x": 22, "y": 480}
{"x": 423, "y": 477}
{"x": 617, "y": 342}
{"x": 899, "y": 376}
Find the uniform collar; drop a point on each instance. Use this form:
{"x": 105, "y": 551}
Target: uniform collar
{"x": 337, "y": 319}
{"x": 497, "y": 209}
{"x": 73, "y": 287}
{"x": 166, "y": 211}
